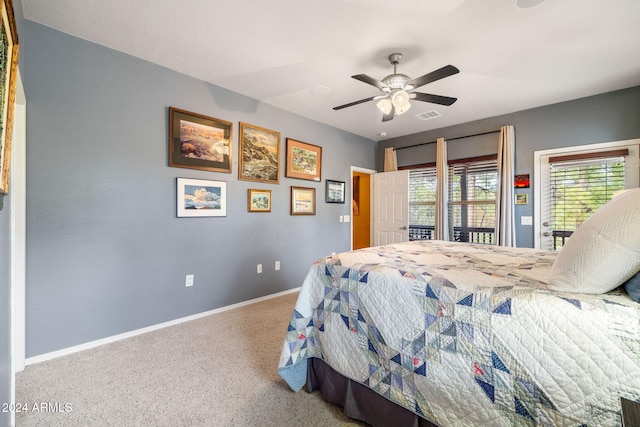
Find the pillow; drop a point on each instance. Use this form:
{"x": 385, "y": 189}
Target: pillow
{"x": 632, "y": 286}
{"x": 604, "y": 251}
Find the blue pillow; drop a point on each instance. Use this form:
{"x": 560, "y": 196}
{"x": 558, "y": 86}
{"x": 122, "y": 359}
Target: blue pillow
{"x": 632, "y": 286}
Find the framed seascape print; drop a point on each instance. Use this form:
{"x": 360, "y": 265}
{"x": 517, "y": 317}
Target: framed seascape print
{"x": 8, "y": 70}
{"x": 199, "y": 142}
{"x": 304, "y": 161}
{"x": 259, "y": 200}
{"x": 334, "y": 192}
{"x": 303, "y": 201}
{"x": 259, "y": 154}
{"x": 200, "y": 197}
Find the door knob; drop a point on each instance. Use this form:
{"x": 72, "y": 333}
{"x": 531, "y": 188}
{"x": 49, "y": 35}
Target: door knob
{"x": 403, "y": 228}
{"x": 546, "y": 223}
{"x": 546, "y": 234}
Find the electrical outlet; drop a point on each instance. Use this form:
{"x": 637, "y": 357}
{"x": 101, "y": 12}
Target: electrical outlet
{"x": 189, "y": 280}
{"x": 259, "y": 269}
{"x": 277, "y": 265}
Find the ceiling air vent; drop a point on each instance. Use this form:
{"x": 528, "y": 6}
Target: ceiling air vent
{"x": 428, "y": 115}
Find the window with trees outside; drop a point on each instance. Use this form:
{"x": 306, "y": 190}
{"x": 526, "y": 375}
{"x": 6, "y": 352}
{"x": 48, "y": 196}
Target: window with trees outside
{"x": 579, "y": 187}
{"x": 472, "y": 200}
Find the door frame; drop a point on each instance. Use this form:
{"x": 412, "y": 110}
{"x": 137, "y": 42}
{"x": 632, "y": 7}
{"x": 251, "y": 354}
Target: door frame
{"x": 368, "y": 172}
{"x": 633, "y": 163}
{"x": 18, "y": 214}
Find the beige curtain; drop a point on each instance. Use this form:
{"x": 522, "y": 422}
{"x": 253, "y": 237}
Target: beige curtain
{"x": 442, "y": 192}
{"x": 390, "y": 160}
{"x": 505, "y": 215}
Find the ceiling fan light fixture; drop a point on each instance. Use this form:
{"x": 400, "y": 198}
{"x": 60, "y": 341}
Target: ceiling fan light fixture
{"x": 384, "y": 105}
{"x": 400, "y": 101}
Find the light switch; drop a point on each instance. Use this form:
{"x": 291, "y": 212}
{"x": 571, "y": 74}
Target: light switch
{"x": 526, "y": 220}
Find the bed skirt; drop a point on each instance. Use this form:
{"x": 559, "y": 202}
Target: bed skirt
{"x": 359, "y": 401}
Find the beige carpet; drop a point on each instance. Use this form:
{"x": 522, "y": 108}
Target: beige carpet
{"x": 220, "y": 370}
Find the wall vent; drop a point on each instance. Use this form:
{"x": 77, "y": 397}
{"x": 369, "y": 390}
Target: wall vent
{"x": 428, "y": 115}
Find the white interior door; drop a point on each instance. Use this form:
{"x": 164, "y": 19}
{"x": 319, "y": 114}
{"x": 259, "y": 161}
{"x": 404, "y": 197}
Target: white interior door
{"x": 390, "y": 207}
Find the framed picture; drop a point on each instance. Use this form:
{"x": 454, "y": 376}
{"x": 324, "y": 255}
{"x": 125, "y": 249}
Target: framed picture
{"x": 303, "y": 201}
{"x": 522, "y": 199}
{"x": 259, "y": 200}
{"x": 259, "y": 154}
{"x": 199, "y": 142}
{"x": 8, "y": 70}
{"x": 201, "y": 197}
{"x": 304, "y": 161}
{"x": 334, "y": 192}
{"x": 521, "y": 181}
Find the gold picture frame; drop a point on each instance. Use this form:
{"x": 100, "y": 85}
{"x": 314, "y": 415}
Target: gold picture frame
{"x": 304, "y": 161}
{"x": 9, "y": 49}
{"x": 259, "y": 158}
{"x": 258, "y": 200}
{"x": 303, "y": 201}
{"x": 199, "y": 142}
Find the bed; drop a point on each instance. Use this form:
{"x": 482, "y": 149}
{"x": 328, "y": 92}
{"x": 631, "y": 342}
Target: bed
{"x": 457, "y": 334}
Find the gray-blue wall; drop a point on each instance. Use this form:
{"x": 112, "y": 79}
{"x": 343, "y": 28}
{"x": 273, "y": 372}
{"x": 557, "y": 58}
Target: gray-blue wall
{"x": 105, "y": 251}
{"x": 607, "y": 117}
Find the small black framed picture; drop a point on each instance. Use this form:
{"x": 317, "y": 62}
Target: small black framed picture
{"x": 334, "y": 192}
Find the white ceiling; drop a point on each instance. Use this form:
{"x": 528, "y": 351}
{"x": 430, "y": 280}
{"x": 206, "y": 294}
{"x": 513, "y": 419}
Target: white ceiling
{"x": 510, "y": 58}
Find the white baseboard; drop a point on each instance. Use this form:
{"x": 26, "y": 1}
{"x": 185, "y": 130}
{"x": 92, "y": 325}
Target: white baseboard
{"x": 70, "y": 350}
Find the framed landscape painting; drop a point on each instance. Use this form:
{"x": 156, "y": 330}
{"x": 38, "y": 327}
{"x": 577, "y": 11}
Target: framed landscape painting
{"x": 8, "y": 70}
{"x": 304, "y": 161}
{"x": 259, "y": 200}
{"x": 303, "y": 201}
{"x": 200, "y": 197}
{"x": 199, "y": 142}
{"x": 259, "y": 154}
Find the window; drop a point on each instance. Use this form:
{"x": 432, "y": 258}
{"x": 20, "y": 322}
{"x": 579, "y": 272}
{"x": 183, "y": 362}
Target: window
{"x": 472, "y": 200}
{"x": 422, "y": 203}
{"x": 578, "y": 187}
{"x": 576, "y": 182}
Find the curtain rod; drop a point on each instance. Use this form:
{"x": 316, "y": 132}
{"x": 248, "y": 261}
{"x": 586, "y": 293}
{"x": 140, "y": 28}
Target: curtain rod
{"x": 448, "y": 139}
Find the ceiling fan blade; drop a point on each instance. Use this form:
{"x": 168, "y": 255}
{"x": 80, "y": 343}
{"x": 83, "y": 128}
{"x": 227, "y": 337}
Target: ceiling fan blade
{"x": 446, "y": 71}
{"x": 390, "y": 115}
{"x": 351, "y": 104}
{"x": 370, "y": 81}
{"x": 434, "y": 99}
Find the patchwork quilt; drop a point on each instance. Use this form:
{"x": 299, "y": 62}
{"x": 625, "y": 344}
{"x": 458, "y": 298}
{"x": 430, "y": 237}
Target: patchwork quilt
{"x": 467, "y": 335}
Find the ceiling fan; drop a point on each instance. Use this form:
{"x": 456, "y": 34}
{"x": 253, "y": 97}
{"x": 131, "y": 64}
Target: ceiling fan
{"x": 397, "y": 89}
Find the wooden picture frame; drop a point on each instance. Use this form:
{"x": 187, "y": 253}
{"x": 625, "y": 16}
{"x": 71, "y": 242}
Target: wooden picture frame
{"x": 521, "y": 199}
{"x": 304, "y": 161}
{"x": 9, "y": 49}
{"x": 199, "y": 142}
{"x": 258, "y": 200}
{"x": 303, "y": 201}
{"x": 334, "y": 191}
{"x": 259, "y": 158}
{"x": 201, "y": 198}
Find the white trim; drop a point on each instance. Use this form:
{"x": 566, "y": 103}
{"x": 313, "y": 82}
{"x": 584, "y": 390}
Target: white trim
{"x": 86, "y": 346}
{"x": 18, "y": 194}
{"x": 537, "y": 173}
